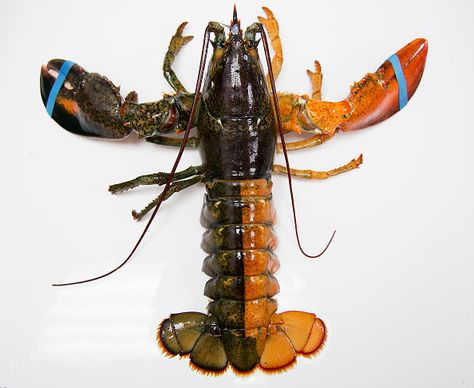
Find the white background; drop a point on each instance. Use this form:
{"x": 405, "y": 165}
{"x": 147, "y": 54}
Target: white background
{"x": 395, "y": 288}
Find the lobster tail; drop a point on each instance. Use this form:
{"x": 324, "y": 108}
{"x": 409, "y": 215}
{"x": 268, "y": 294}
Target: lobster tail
{"x": 242, "y": 329}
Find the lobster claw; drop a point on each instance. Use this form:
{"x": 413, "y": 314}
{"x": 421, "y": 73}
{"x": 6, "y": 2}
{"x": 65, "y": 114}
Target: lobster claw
{"x": 379, "y": 95}
{"x": 83, "y": 103}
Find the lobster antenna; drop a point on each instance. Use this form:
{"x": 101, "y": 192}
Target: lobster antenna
{"x": 173, "y": 170}
{"x": 283, "y": 144}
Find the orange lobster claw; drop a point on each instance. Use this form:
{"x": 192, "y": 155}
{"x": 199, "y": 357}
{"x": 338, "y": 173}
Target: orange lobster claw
{"x": 375, "y": 98}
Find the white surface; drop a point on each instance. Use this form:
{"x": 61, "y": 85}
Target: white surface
{"x": 396, "y": 286}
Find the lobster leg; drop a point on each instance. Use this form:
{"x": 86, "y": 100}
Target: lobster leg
{"x": 290, "y": 104}
{"x": 176, "y": 44}
{"x": 194, "y": 173}
{"x": 312, "y": 141}
{"x": 310, "y": 174}
{"x": 174, "y": 188}
{"x": 271, "y": 26}
{"x": 316, "y": 79}
{"x": 158, "y": 178}
{"x": 295, "y": 119}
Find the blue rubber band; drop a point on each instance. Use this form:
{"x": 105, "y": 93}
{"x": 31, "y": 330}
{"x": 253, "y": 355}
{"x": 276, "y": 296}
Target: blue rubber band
{"x": 58, "y": 83}
{"x": 402, "y": 84}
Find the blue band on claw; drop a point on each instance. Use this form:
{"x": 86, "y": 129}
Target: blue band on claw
{"x": 402, "y": 84}
{"x": 66, "y": 66}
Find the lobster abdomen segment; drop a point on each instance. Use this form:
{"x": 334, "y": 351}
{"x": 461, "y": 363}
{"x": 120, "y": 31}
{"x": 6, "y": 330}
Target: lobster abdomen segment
{"x": 239, "y": 216}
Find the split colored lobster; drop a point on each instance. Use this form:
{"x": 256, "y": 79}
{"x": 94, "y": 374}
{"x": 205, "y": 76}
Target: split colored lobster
{"x": 237, "y": 122}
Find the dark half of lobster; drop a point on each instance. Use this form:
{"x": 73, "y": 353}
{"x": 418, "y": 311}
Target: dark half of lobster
{"x": 236, "y": 134}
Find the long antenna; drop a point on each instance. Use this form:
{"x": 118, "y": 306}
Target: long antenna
{"x": 173, "y": 170}
{"x": 283, "y": 145}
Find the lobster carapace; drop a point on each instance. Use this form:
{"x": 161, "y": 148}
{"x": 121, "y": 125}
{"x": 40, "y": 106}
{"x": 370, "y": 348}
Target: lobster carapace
{"x": 236, "y": 135}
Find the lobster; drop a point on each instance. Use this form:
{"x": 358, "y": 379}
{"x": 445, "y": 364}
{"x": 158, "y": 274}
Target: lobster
{"x": 238, "y": 114}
